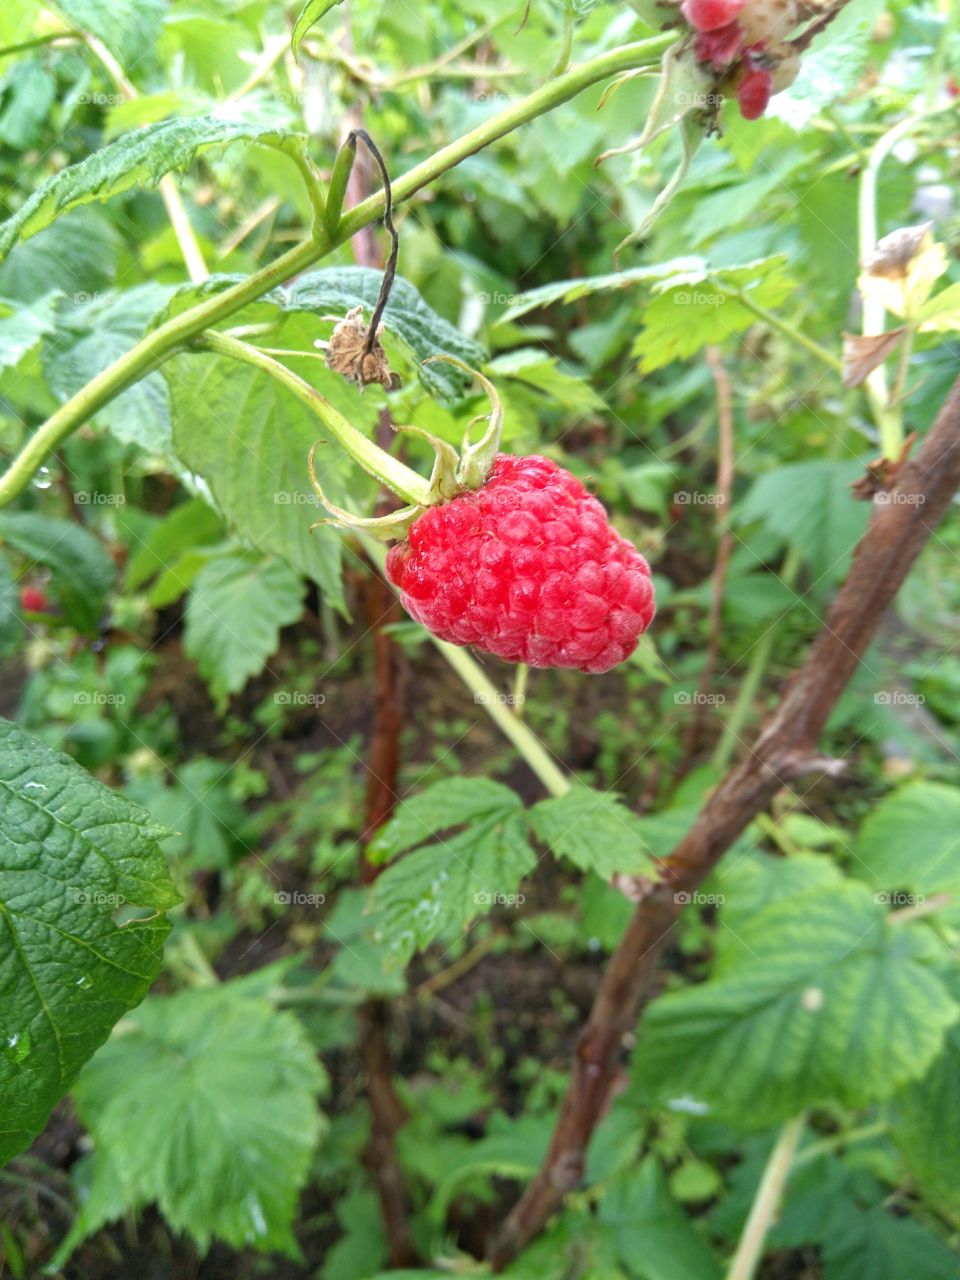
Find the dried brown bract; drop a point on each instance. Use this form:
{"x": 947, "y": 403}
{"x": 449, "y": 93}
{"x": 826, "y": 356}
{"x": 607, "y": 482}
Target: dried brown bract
{"x": 351, "y": 353}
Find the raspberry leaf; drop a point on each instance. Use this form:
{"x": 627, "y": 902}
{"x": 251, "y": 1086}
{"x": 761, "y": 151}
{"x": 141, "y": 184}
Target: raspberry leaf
{"x": 248, "y": 439}
{"x": 810, "y": 506}
{"x": 596, "y": 831}
{"x": 21, "y": 328}
{"x": 137, "y": 159}
{"x": 235, "y": 612}
{"x": 926, "y": 1126}
{"x": 583, "y": 287}
{"x": 89, "y": 336}
{"x": 825, "y": 1000}
{"x": 308, "y": 17}
{"x": 645, "y": 1221}
{"x": 75, "y": 853}
{"x": 911, "y": 841}
{"x": 243, "y": 1095}
{"x": 129, "y": 28}
{"x": 436, "y": 889}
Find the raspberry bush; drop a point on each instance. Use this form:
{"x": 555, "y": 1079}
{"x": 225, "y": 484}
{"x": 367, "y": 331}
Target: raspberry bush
{"x": 385, "y": 889}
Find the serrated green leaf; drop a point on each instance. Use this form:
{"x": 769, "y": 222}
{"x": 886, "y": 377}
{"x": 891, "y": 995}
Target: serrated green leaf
{"x": 191, "y": 524}
{"x": 249, "y": 439}
{"x": 223, "y": 1090}
{"x": 941, "y": 313}
{"x": 72, "y": 853}
{"x": 21, "y": 328}
{"x": 80, "y": 254}
{"x": 652, "y": 1233}
{"x": 137, "y": 159}
{"x": 438, "y": 888}
{"x": 573, "y": 290}
{"x": 237, "y": 608}
{"x": 89, "y": 336}
{"x": 809, "y": 504}
{"x": 129, "y": 28}
{"x": 30, "y": 90}
{"x": 825, "y": 999}
{"x": 309, "y": 16}
{"x": 82, "y": 570}
{"x": 694, "y": 308}
{"x": 925, "y": 1125}
{"x": 880, "y": 1245}
{"x": 445, "y": 804}
{"x": 911, "y": 841}
{"x": 596, "y": 831}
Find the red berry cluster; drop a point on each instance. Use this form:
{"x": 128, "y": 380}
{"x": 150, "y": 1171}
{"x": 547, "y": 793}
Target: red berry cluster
{"x": 740, "y": 41}
{"x": 526, "y": 567}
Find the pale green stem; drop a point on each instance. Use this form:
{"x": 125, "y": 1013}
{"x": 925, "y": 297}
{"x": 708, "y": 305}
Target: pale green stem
{"x": 790, "y": 331}
{"x": 152, "y": 350}
{"x": 520, "y": 688}
{"x": 530, "y": 747}
{"x": 840, "y": 1141}
{"x": 733, "y": 729}
{"x": 38, "y": 42}
{"x": 766, "y": 1203}
{"x": 389, "y": 471}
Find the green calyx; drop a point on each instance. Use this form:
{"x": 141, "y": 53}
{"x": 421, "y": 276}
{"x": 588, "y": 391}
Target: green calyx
{"x": 452, "y": 473}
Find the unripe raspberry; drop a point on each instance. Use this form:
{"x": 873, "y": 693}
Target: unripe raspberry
{"x": 786, "y": 69}
{"x": 526, "y": 567}
{"x": 754, "y": 90}
{"x": 720, "y": 47}
{"x": 34, "y": 600}
{"x": 768, "y": 21}
{"x": 708, "y": 15}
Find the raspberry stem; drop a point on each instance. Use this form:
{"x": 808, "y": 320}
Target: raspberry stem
{"x": 389, "y": 471}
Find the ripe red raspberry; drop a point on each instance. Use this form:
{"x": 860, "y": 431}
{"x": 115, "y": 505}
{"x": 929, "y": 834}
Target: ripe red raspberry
{"x": 708, "y": 15}
{"x": 526, "y": 567}
{"x": 33, "y": 600}
{"x": 754, "y": 90}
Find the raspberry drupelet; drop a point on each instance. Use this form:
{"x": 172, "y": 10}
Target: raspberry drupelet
{"x": 528, "y": 568}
